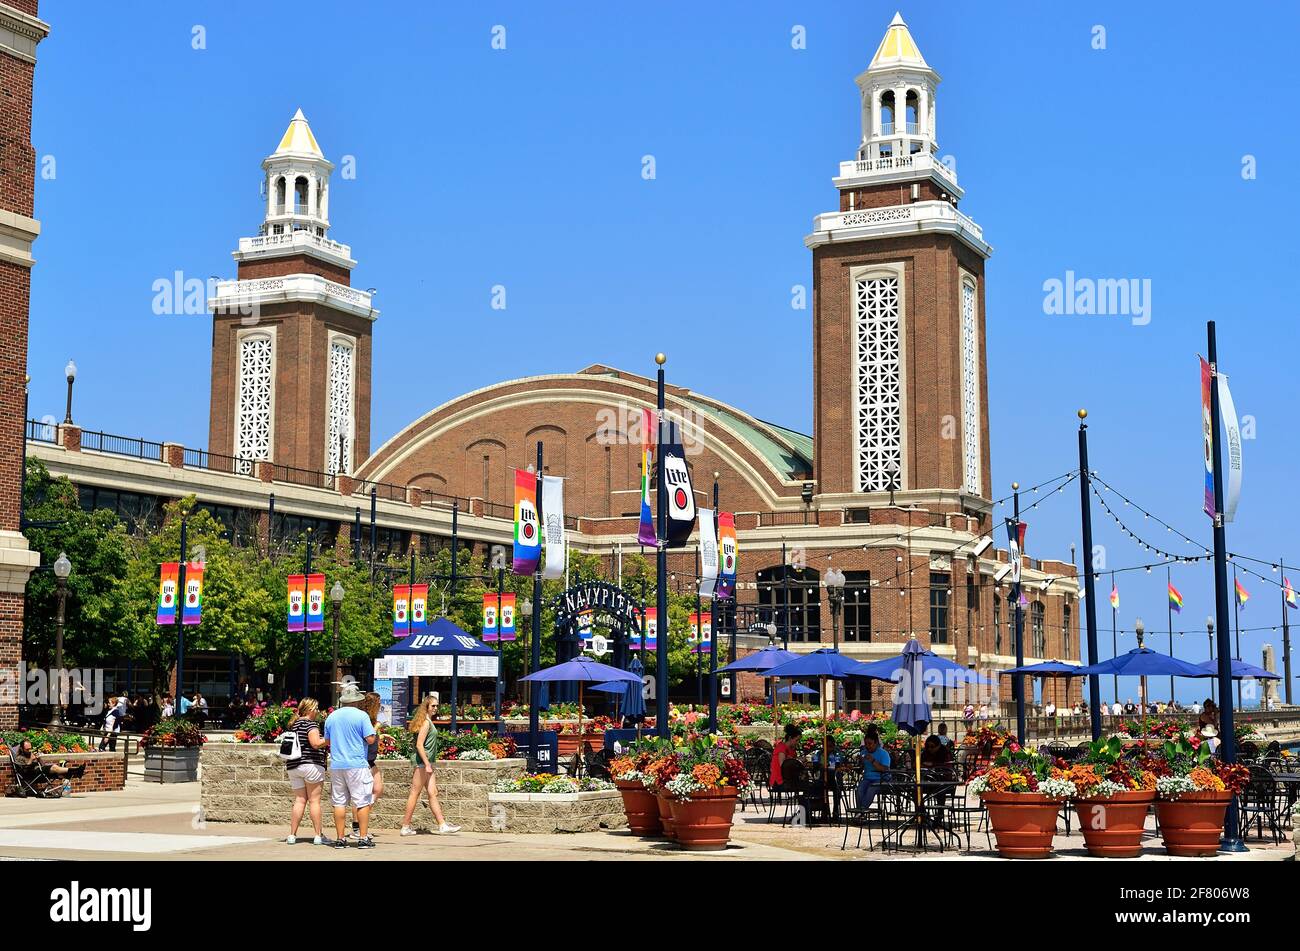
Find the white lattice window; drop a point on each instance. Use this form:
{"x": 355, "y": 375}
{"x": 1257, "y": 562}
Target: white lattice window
{"x": 878, "y": 383}
{"x": 338, "y": 411}
{"x": 970, "y": 388}
{"x": 255, "y": 392}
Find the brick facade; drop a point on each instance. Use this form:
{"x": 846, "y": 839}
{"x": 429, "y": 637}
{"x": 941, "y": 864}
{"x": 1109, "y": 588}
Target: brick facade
{"x": 105, "y": 772}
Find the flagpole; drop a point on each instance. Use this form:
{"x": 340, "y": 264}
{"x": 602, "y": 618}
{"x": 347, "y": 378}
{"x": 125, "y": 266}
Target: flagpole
{"x": 1018, "y": 680}
{"x": 1114, "y": 637}
{"x": 1286, "y": 634}
{"x": 1231, "y": 841}
{"x": 535, "y": 660}
{"x": 713, "y": 619}
{"x": 1169, "y": 611}
{"x": 661, "y": 564}
{"x": 1236, "y": 625}
{"x": 1089, "y": 582}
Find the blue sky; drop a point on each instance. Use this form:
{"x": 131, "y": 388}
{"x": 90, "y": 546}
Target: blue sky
{"x": 522, "y": 167}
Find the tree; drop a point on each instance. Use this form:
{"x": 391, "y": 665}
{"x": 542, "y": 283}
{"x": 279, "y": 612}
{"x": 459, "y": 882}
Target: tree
{"x": 97, "y": 545}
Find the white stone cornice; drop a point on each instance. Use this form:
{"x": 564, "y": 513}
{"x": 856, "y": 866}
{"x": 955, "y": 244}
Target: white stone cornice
{"x": 296, "y": 242}
{"x": 17, "y": 232}
{"x": 918, "y": 217}
{"x": 247, "y": 296}
{"x": 20, "y": 32}
{"x": 17, "y": 562}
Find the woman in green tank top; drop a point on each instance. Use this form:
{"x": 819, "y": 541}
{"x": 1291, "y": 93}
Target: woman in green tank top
{"x": 423, "y": 756}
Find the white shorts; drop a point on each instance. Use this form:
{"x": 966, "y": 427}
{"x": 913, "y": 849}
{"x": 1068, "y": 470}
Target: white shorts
{"x": 306, "y": 773}
{"x": 355, "y": 785}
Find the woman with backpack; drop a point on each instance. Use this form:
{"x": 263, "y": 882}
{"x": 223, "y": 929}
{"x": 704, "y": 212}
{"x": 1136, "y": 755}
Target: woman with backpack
{"x": 303, "y": 749}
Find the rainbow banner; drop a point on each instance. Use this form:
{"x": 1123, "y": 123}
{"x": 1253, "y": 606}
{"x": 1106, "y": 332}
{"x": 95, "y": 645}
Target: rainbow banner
{"x": 508, "y": 617}
{"x": 1288, "y": 592}
{"x": 646, "y": 531}
{"x": 167, "y": 582}
{"x": 315, "y": 602}
{"x": 1114, "y": 597}
{"x": 528, "y": 535}
{"x": 729, "y": 553}
{"x": 702, "y": 632}
{"x": 419, "y": 608}
{"x": 401, "y": 610}
{"x": 585, "y": 630}
{"x": 651, "y": 630}
{"x": 491, "y": 624}
{"x": 1242, "y": 594}
{"x": 297, "y": 606}
{"x": 1175, "y": 599}
{"x": 192, "y": 612}
{"x": 679, "y": 492}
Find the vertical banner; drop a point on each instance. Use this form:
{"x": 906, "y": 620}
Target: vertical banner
{"x": 192, "y": 612}
{"x": 507, "y": 617}
{"x": 315, "y": 602}
{"x": 694, "y": 634}
{"x": 491, "y": 625}
{"x": 708, "y": 554}
{"x": 1207, "y": 436}
{"x": 704, "y": 634}
{"x": 167, "y": 582}
{"x": 1015, "y": 548}
{"x": 528, "y": 541}
{"x": 419, "y": 608}
{"x": 728, "y": 553}
{"x": 1233, "y": 444}
{"x": 1175, "y": 599}
{"x": 681, "y": 497}
{"x": 651, "y": 630}
{"x": 646, "y": 531}
{"x": 585, "y": 630}
{"x": 297, "y": 607}
{"x": 401, "y": 605}
{"x": 553, "y": 533}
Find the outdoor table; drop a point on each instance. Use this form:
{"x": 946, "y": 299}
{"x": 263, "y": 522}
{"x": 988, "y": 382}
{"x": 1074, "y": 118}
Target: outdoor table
{"x": 924, "y": 821}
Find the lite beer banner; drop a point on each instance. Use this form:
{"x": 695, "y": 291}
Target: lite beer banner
{"x": 553, "y": 533}
{"x": 297, "y": 606}
{"x": 167, "y": 582}
{"x": 315, "y": 602}
{"x": 651, "y": 632}
{"x": 491, "y": 623}
{"x": 1228, "y": 411}
{"x": 192, "y": 612}
{"x": 646, "y": 531}
{"x": 727, "y": 552}
{"x": 1207, "y": 436}
{"x": 419, "y": 608}
{"x": 507, "y": 617}
{"x": 708, "y": 554}
{"x": 1015, "y": 545}
{"x": 401, "y": 609}
{"x": 528, "y": 540}
{"x": 701, "y": 630}
{"x": 681, "y": 497}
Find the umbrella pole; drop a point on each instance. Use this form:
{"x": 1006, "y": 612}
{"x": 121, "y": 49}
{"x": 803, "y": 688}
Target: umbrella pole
{"x": 580, "y": 758}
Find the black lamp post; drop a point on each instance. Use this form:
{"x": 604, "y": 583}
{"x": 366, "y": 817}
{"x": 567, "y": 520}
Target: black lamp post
{"x": 834, "y": 580}
{"x": 1140, "y": 630}
{"x": 62, "y": 568}
{"x": 336, "y": 598}
{"x": 70, "y": 371}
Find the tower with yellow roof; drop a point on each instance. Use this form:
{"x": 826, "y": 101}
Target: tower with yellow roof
{"x": 291, "y": 337}
{"x": 900, "y": 385}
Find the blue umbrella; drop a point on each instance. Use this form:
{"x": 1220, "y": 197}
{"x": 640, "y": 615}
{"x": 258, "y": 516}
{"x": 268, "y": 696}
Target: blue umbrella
{"x": 937, "y": 669}
{"x": 796, "y": 688}
{"x": 825, "y": 664}
{"x": 1049, "y": 668}
{"x": 1241, "y": 670}
{"x": 634, "y": 700}
{"x": 583, "y": 671}
{"x": 911, "y": 711}
{"x": 760, "y": 661}
{"x": 1144, "y": 662}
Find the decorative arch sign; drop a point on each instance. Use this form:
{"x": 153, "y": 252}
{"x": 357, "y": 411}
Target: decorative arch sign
{"x": 600, "y": 597}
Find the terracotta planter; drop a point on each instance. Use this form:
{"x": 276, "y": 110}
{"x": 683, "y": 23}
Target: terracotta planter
{"x": 641, "y": 808}
{"x": 571, "y": 743}
{"x": 1023, "y": 823}
{"x": 1192, "y": 824}
{"x": 666, "y": 815}
{"x": 703, "y": 822}
{"x": 1112, "y": 828}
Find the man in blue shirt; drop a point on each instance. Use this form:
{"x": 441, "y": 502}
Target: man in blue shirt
{"x": 348, "y": 731}
{"x": 875, "y": 766}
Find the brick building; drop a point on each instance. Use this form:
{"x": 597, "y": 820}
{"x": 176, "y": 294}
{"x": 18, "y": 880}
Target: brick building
{"x": 892, "y": 488}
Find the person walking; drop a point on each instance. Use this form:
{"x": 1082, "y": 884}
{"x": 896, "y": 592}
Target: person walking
{"x": 371, "y": 707}
{"x": 423, "y": 757}
{"x": 113, "y": 718}
{"x": 307, "y": 773}
{"x": 349, "y": 732}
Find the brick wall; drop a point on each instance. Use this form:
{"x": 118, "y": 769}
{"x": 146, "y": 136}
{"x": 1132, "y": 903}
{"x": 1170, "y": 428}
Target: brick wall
{"x": 104, "y": 771}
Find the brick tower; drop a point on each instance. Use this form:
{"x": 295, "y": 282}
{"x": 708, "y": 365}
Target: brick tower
{"x": 291, "y": 336}
{"x": 20, "y": 32}
{"x": 900, "y": 389}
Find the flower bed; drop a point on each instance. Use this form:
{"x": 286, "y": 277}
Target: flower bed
{"x": 546, "y": 784}
{"x": 43, "y": 741}
{"x": 173, "y": 733}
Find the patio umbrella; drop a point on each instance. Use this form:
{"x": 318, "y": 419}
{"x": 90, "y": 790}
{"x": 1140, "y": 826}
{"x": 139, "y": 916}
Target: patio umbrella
{"x": 1241, "y": 670}
{"x": 824, "y": 664}
{"x": 936, "y": 668}
{"x": 795, "y": 688}
{"x": 760, "y": 662}
{"x": 1049, "y": 668}
{"x": 1144, "y": 662}
{"x": 911, "y": 711}
{"x": 582, "y": 670}
{"x": 634, "y": 693}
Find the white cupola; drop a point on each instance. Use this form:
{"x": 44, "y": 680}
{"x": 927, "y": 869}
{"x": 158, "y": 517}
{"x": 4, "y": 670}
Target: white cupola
{"x": 297, "y": 183}
{"x": 898, "y": 92}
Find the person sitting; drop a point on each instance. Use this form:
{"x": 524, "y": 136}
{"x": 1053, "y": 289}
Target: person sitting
{"x": 29, "y": 761}
{"x": 934, "y": 755}
{"x": 786, "y": 748}
{"x": 875, "y": 767}
{"x": 943, "y": 736}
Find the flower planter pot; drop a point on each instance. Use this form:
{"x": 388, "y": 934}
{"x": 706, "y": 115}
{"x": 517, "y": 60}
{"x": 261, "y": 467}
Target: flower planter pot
{"x": 664, "y": 804}
{"x": 703, "y": 822}
{"x": 1192, "y": 824}
{"x": 169, "y": 764}
{"x": 641, "y": 808}
{"x": 1022, "y": 823}
{"x": 1112, "y": 828}
{"x": 571, "y": 743}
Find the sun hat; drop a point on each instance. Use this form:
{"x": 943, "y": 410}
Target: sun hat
{"x": 351, "y": 694}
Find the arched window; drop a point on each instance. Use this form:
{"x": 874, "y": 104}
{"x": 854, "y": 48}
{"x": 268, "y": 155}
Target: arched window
{"x": 1036, "y": 615}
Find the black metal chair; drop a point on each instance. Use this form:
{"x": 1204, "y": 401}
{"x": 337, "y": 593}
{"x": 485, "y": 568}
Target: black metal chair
{"x": 1260, "y": 803}
{"x": 32, "y": 780}
{"x": 758, "y": 764}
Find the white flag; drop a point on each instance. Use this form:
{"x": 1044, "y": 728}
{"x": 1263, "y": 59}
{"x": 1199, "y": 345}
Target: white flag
{"x": 1229, "y": 414}
{"x": 553, "y": 537}
{"x": 708, "y": 554}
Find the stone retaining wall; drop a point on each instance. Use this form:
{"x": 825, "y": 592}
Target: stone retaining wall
{"x": 557, "y": 812}
{"x": 247, "y": 782}
{"x": 104, "y": 771}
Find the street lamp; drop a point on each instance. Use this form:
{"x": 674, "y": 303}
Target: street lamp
{"x": 834, "y": 580}
{"x": 336, "y": 598}
{"x": 62, "y": 568}
{"x": 771, "y": 634}
{"x": 1209, "y": 630}
{"x": 70, "y": 371}
{"x": 526, "y": 610}
{"x": 1140, "y": 629}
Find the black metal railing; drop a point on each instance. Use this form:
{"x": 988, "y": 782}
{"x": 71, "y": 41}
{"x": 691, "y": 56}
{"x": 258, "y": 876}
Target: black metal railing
{"x": 498, "y": 510}
{"x": 38, "y": 431}
{"x": 311, "y": 478}
{"x": 121, "y": 446}
{"x": 217, "y": 462}
{"x": 785, "y": 518}
{"x": 383, "y": 490}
